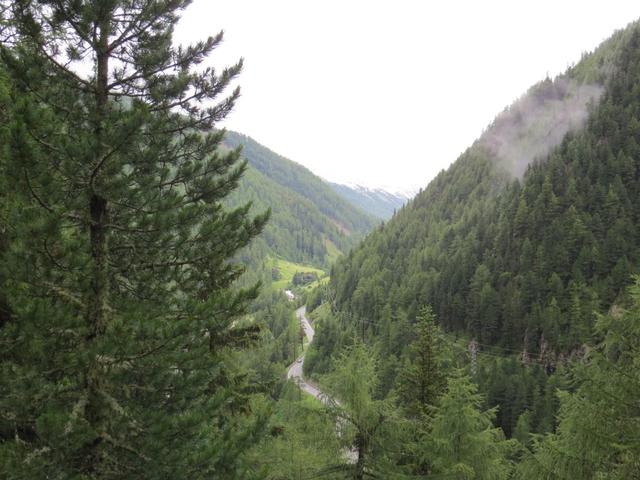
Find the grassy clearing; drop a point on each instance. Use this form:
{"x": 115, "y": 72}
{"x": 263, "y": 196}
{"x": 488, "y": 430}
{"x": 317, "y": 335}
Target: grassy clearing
{"x": 288, "y": 270}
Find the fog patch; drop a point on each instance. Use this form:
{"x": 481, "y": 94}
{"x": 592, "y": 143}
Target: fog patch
{"x": 537, "y": 122}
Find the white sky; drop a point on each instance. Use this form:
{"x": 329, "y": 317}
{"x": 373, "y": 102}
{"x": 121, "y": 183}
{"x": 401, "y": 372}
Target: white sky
{"x": 388, "y": 93}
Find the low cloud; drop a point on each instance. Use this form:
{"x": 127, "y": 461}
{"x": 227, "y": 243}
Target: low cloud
{"x": 537, "y": 122}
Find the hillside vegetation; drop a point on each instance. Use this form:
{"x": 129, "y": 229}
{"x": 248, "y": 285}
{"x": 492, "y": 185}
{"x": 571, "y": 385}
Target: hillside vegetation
{"x": 520, "y": 262}
{"x": 309, "y": 221}
{"x": 524, "y": 252}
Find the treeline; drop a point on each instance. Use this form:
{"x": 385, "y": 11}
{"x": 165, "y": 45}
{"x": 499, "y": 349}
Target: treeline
{"x": 529, "y": 280}
{"x": 297, "y": 230}
{"x": 301, "y": 180}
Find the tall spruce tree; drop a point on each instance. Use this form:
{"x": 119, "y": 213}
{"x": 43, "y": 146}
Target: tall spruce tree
{"x": 422, "y": 380}
{"x": 5, "y": 312}
{"x": 117, "y": 361}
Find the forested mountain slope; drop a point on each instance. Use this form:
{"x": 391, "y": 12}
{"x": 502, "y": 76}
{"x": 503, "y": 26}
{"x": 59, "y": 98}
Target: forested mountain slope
{"x": 377, "y": 202}
{"x": 309, "y": 222}
{"x": 535, "y": 227}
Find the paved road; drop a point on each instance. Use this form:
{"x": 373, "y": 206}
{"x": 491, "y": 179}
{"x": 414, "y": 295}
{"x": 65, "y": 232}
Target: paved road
{"x": 295, "y": 373}
{"x": 295, "y": 369}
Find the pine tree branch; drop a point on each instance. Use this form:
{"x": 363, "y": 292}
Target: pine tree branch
{"x": 52, "y": 259}
{"x": 64, "y": 70}
{"x": 35, "y": 195}
{"x": 49, "y": 209}
{"x": 65, "y": 294}
{"x": 126, "y": 37}
{"x": 67, "y": 16}
{"x": 108, "y": 155}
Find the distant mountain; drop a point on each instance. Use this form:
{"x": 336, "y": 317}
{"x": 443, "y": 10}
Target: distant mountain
{"x": 377, "y": 202}
{"x": 310, "y": 223}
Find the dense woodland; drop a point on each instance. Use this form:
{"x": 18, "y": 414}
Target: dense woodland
{"x": 489, "y": 330}
{"x": 517, "y": 263}
{"x": 518, "y": 270}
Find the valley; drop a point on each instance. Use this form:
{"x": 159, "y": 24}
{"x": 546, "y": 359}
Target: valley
{"x": 178, "y": 300}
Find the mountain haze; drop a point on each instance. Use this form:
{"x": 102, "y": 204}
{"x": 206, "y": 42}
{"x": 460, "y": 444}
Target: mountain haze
{"x": 522, "y": 247}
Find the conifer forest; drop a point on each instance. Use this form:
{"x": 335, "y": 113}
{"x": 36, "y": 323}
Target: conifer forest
{"x": 178, "y": 301}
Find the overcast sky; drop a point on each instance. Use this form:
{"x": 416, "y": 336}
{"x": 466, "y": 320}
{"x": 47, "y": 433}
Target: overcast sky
{"x": 388, "y": 93}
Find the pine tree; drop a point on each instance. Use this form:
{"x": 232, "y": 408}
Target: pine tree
{"x": 303, "y": 440}
{"x": 118, "y": 359}
{"x": 522, "y": 430}
{"x": 5, "y": 311}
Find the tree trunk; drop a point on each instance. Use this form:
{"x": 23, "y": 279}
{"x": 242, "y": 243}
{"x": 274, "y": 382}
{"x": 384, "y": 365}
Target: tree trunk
{"x": 97, "y": 306}
{"x": 360, "y": 447}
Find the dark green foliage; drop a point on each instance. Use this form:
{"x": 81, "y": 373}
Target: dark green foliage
{"x": 462, "y": 442}
{"x": 421, "y": 379}
{"x": 516, "y": 390}
{"x": 302, "y": 442}
{"x": 597, "y": 436}
{"x": 524, "y": 266}
{"x": 370, "y": 428}
{"x": 317, "y": 296}
{"x": 518, "y": 263}
{"x": 328, "y": 341}
{"x": 304, "y": 278}
{"x": 281, "y": 331}
{"x": 119, "y": 357}
{"x": 297, "y": 178}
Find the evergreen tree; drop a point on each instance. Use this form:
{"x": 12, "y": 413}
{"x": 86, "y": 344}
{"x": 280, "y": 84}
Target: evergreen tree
{"x": 5, "y": 311}
{"x": 463, "y": 441}
{"x": 368, "y": 427}
{"x": 421, "y": 380}
{"x": 302, "y": 443}
{"x": 522, "y": 431}
{"x": 118, "y": 361}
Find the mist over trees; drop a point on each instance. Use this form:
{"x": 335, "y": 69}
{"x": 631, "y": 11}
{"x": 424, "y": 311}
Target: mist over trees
{"x": 518, "y": 263}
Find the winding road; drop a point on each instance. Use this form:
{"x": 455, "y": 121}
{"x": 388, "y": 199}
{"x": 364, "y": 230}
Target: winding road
{"x": 295, "y": 373}
{"x": 295, "y": 369}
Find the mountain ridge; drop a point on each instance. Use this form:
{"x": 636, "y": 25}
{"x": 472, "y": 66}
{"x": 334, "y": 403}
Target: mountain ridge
{"x": 378, "y": 202}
